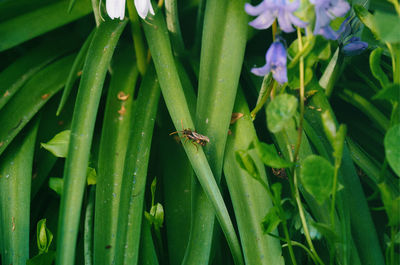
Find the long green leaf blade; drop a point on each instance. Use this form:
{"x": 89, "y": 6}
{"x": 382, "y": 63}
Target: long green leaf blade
{"x": 250, "y": 200}
{"x": 36, "y": 92}
{"x": 222, "y": 51}
{"x": 15, "y": 187}
{"x": 171, "y": 87}
{"x": 135, "y": 171}
{"x": 30, "y": 25}
{"x": 16, "y": 75}
{"x": 84, "y": 117}
{"x": 117, "y": 123}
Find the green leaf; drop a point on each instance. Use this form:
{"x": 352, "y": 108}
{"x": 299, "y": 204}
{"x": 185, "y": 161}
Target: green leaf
{"x": 115, "y": 134}
{"x": 391, "y": 92}
{"x": 391, "y": 201}
{"x": 15, "y": 199}
{"x": 15, "y": 75}
{"x": 75, "y": 71}
{"x": 376, "y": 69}
{"x": 153, "y": 190}
{"x": 31, "y": 97}
{"x": 271, "y": 221}
{"x": 157, "y": 213}
{"x": 135, "y": 171}
{"x": 329, "y": 126}
{"x": 387, "y": 26}
{"x": 314, "y": 232}
{"x": 58, "y": 145}
{"x": 30, "y": 25}
{"x": 280, "y": 111}
{"x": 57, "y": 184}
{"x": 44, "y": 236}
{"x": 270, "y": 157}
{"x": 325, "y": 230}
{"x": 338, "y": 143}
{"x": 246, "y": 162}
{"x": 317, "y": 177}
{"x": 366, "y": 18}
{"x": 43, "y": 259}
{"x": 173, "y": 94}
{"x": 277, "y": 191}
{"x": 82, "y": 128}
{"x": 91, "y": 176}
{"x": 392, "y": 148}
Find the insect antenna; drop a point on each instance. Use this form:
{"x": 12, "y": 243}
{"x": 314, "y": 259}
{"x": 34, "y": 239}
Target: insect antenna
{"x": 178, "y": 131}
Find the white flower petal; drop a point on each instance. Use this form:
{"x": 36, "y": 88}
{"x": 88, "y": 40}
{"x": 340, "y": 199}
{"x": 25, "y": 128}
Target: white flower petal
{"x": 115, "y": 8}
{"x": 143, "y": 7}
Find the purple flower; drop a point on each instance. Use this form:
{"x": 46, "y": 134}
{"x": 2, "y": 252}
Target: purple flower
{"x": 354, "y": 47}
{"x": 275, "y": 63}
{"x": 325, "y": 11}
{"x": 268, "y": 10}
{"x": 351, "y": 45}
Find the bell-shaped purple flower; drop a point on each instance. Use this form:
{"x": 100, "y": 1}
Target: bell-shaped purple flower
{"x": 275, "y": 63}
{"x": 351, "y": 45}
{"x": 268, "y": 10}
{"x": 325, "y": 11}
{"x": 354, "y": 46}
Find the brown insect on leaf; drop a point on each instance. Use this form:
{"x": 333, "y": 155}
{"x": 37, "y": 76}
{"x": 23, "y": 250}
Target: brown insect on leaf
{"x": 236, "y": 116}
{"x": 193, "y": 136}
{"x": 6, "y": 93}
{"x": 45, "y": 96}
{"x": 122, "y": 96}
{"x": 122, "y": 111}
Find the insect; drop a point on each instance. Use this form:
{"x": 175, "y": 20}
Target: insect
{"x": 193, "y": 136}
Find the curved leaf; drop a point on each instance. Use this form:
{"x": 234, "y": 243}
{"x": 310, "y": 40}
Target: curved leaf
{"x": 36, "y": 92}
{"x": 84, "y": 117}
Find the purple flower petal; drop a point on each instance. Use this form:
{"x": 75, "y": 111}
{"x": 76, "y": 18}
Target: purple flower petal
{"x": 254, "y": 10}
{"x": 275, "y": 63}
{"x": 263, "y": 21}
{"x": 261, "y": 71}
{"x": 328, "y": 33}
{"x": 354, "y": 47}
{"x": 268, "y": 10}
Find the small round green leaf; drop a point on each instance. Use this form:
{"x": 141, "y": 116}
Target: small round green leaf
{"x": 270, "y": 156}
{"x": 317, "y": 177}
{"x": 280, "y": 111}
{"x": 392, "y": 148}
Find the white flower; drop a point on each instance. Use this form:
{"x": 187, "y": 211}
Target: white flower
{"x": 143, "y": 7}
{"x": 116, "y": 8}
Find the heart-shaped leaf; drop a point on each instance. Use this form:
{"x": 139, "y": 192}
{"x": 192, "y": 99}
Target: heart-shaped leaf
{"x": 392, "y": 148}
{"x": 280, "y": 111}
{"x": 317, "y": 177}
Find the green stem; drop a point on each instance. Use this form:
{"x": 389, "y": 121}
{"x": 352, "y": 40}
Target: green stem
{"x": 334, "y": 188}
{"x": 171, "y": 14}
{"x": 301, "y": 74}
{"x": 303, "y": 220}
{"x": 96, "y": 11}
{"x": 138, "y": 39}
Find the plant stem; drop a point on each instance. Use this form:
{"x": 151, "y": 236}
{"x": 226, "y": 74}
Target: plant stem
{"x": 334, "y": 188}
{"x": 138, "y": 39}
{"x": 171, "y": 16}
{"x": 296, "y": 153}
